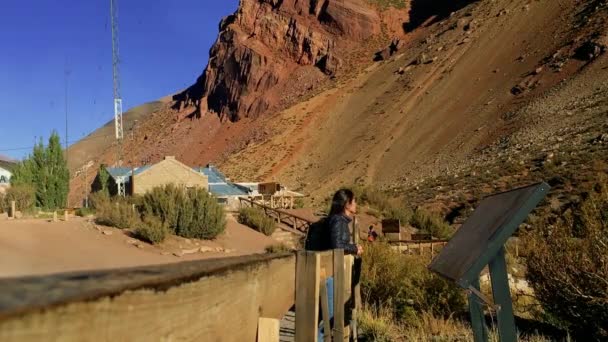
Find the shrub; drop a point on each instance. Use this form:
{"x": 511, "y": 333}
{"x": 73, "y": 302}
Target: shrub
{"x": 84, "y": 212}
{"x": 371, "y": 197}
{"x": 567, "y": 266}
{"x": 278, "y": 248}
{"x": 151, "y": 229}
{"x": 23, "y": 195}
{"x": 377, "y": 325}
{"x": 98, "y": 199}
{"x": 165, "y": 203}
{"x": 190, "y": 213}
{"x": 404, "y": 285}
{"x": 256, "y": 219}
{"x": 119, "y": 214}
{"x": 402, "y": 214}
{"x": 201, "y": 216}
{"x": 431, "y": 224}
{"x": 298, "y": 203}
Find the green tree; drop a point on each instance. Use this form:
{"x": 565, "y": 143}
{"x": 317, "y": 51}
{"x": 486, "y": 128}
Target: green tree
{"x": 46, "y": 171}
{"x": 101, "y": 182}
{"x": 57, "y": 173}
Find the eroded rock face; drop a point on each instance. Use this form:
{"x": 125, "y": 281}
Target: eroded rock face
{"x": 265, "y": 41}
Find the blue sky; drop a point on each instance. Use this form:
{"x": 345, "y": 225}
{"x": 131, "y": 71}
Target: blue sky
{"x": 164, "y": 47}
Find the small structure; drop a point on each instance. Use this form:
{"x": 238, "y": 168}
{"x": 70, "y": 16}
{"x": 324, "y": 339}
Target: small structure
{"x": 276, "y": 196}
{"x": 5, "y": 176}
{"x": 480, "y": 243}
{"x": 393, "y": 231}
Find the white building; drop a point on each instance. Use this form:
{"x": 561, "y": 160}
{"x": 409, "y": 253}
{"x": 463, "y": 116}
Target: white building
{"x": 5, "y": 179}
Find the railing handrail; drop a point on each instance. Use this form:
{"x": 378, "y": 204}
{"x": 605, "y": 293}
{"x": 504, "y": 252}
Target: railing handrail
{"x": 276, "y": 210}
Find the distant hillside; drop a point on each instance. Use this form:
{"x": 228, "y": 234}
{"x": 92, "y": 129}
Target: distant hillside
{"x": 393, "y": 97}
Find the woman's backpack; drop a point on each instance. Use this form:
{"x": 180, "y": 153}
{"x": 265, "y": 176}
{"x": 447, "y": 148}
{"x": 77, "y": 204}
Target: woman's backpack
{"x": 317, "y": 237}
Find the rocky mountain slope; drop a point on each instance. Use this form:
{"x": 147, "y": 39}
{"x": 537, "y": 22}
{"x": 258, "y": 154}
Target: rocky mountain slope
{"x": 316, "y": 94}
{"x": 262, "y": 49}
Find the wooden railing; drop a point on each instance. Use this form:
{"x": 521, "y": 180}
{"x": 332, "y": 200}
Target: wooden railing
{"x": 312, "y": 271}
{"x": 294, "y": 221}
{"x": 207, "y": 300}
{"x": 413, "y": 246}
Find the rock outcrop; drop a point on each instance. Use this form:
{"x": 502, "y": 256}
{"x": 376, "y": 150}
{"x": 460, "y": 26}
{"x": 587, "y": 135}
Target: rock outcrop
{"x": 261, "y": 45}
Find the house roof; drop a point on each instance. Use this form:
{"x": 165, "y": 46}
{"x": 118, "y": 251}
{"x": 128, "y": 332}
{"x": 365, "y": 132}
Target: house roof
{"x": 219, "y": 185}
{"x": 8, "y": 166}
{"x": 116, "y": 172}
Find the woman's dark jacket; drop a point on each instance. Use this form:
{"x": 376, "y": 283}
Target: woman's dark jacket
{"x": 330, "y": 233}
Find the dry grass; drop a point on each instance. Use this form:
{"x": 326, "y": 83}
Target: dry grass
{"x": 380, "y": 326}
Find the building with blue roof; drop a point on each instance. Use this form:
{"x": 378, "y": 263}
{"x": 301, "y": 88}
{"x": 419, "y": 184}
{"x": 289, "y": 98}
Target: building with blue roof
{"x": 138, "y": 180}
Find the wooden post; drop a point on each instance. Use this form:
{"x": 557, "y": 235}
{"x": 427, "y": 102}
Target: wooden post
{"x": 54, "y": 216}
{"x": 292, "y": 201}
{"x": 308, "y": 270}
{"x": 65, "y": 215}
{"x": 502, "y": 297}
{"x": 13, "y": 210}
{"x": 268, "y": 329}
{"x": 338, "y": 295}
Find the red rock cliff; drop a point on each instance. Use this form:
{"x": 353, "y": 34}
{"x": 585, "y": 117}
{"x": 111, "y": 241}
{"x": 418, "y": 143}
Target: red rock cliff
{"x": 261, "y": 45}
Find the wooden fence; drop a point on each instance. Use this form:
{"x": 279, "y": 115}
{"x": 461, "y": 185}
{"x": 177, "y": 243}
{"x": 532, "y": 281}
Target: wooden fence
{"x": 312, "y": 271}
{"x": 294, "y": 221}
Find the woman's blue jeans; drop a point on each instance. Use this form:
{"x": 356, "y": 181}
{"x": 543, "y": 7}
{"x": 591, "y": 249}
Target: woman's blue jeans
{"x": 330, "y": 298}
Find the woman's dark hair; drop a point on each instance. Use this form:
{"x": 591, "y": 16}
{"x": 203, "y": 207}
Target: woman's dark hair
{"x": 341, "y": 198}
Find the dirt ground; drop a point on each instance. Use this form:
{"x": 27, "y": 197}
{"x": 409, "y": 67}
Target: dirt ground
{"x": 36, "y": 247}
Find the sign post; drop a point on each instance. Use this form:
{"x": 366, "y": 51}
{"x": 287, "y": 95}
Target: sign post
{"x": 480, "y": 243}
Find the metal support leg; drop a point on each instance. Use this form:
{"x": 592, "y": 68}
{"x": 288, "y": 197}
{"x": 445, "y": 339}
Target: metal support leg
{"x": 480, "y": 332}
{"x": 502, "y": 298}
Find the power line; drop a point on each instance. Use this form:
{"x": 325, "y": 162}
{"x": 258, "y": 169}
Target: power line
{"x": 71, "y": 142}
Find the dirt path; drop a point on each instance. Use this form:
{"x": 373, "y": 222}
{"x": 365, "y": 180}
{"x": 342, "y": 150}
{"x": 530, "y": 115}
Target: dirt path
{"x": 33, "y": 247}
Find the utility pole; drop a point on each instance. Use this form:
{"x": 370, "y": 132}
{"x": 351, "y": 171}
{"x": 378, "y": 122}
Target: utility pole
{"x": 116, "y": 72}
{"x": 67, "y": 73}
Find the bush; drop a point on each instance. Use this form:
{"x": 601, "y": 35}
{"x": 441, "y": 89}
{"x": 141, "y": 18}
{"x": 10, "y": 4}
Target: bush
{"x": 119, "y": 214}
{"x": 403, "y": 284}
{"x": 189, "y": 213}
{"x": 402, "y": 214}
{"x": 298, "y": 203}
{"x": 151, "y": 229}
{"x": 278, "y": 248}
{"x": 567, "y": 266}
{"x": 23, "y": 195}
{"x": 431, "y": 224}
{"x": 377, "y": 326}
{"x": 84, "y": 212}
{"x": 256, "y": 219}
{"x": 371, "y": 197}
{"x": 98, "y": 199}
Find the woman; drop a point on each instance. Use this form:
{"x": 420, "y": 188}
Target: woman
{"x": 332, "y": 232}
{"x": 343, "y": 209}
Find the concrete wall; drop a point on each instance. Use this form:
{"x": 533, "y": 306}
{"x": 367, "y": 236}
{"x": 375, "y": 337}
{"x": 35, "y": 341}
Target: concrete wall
{"x": 166, "y": 172}
{"x": 210, "y": 300}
